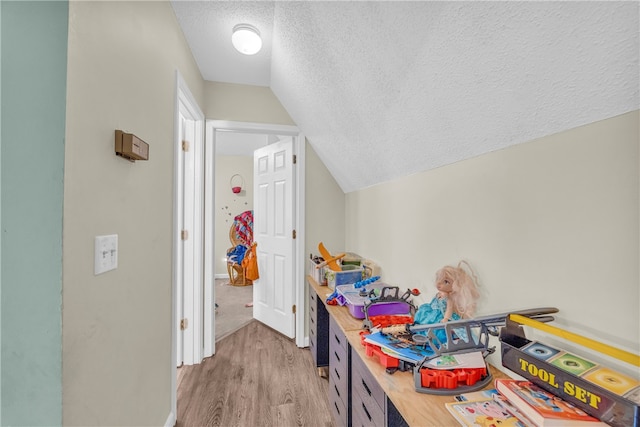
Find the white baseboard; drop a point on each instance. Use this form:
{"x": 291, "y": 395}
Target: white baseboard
{"x": 171, "y": 420}
{"x": 221, "y": 276}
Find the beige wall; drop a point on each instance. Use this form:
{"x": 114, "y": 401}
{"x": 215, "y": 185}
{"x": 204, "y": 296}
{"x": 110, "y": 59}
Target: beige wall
{"x": 553, "y": 222}
{"x": 324, "y": 215}
{"x": 122, "y": 61}
{"x": 228, "y": 204}
{"x": 325, "y": 208}
{"x": 244, "y": 103}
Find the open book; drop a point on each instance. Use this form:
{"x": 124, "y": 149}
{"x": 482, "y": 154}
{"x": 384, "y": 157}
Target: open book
{"x": 543, "y": 408}
{"x": 489, "y": 411}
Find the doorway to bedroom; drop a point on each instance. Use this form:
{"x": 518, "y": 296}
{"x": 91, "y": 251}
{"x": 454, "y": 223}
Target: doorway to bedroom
{"x": 233, "y": 221}
{"x": 273, "y": 149}
{"x": 226, "y": 175}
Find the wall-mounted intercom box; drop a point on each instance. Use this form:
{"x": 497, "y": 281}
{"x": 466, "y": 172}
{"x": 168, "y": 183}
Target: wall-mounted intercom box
{"x": 131, "y": 147}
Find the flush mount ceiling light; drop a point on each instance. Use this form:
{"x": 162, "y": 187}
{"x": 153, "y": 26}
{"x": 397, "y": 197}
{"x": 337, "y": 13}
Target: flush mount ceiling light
{"x": 246, "y": 39}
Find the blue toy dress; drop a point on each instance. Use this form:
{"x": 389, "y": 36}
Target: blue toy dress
{"x": 433, "y": 312}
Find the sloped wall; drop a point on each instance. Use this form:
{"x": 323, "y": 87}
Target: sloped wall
{"x": 552, "y": 222}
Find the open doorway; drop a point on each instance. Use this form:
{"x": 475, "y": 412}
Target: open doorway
{"x": 207, "y": 157}
{"x": 217, "y": 236}
{"x": 233, "y": 213}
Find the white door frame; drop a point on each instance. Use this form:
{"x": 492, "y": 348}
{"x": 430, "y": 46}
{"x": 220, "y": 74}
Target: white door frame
{"x": 185, "y": 103}
{"x": 299, "y": 204}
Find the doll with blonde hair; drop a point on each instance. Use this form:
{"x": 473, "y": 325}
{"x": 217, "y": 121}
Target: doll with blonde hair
{"x": 456, "y": 298}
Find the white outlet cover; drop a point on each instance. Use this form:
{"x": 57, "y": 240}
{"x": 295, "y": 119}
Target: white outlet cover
{"x": 105, "y": 253}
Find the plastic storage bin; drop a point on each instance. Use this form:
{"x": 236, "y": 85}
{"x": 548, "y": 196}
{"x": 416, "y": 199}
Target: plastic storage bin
{"x": 315, "y": 272}
{"x": 349, "y": 275}
{"x": 355, "y": 302}
{"x": 351, "y": 259}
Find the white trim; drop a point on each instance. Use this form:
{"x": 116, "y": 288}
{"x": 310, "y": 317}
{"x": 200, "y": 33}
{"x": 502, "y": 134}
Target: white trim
{"x": 199, "y": 303}
{"x": 177, "y": 190}
{"x": 171, "y": 420}
{"x": 302, "y": 339}
{"x": 209, "y": 235}
{"x": 193, "y": 221}
{"x": 187, "y": 98}
{"x": 299, "y": 149}
{"x": 183, "y": 100}
{"x": 249, "y": 127}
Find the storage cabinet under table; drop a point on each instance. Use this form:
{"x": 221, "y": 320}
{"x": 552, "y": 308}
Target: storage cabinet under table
{"x": 370, "y": 405}
{"x": 339, "y": 375}
{"x": 318, "y": 329}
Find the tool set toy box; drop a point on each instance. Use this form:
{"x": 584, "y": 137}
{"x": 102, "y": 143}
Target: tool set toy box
{"x": 599, "y": 391}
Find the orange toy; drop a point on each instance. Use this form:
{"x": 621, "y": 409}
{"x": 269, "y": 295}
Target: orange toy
{"x": 331, "y": 261}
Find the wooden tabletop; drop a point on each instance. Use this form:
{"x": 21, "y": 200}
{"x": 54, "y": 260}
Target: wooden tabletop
{"x": 418, "y": 409}
{"x": 343, "y": 318}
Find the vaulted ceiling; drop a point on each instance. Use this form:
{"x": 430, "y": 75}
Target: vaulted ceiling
{"x": 387, "y": 89}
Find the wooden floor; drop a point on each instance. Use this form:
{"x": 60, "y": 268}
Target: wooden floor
{"x": 257, "y": 377}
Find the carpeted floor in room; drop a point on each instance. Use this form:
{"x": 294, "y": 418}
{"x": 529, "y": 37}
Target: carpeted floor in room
{"x": 232, "y": 313}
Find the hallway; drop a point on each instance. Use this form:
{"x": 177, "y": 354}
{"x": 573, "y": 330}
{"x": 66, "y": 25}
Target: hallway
{"x": 256, "y": 378}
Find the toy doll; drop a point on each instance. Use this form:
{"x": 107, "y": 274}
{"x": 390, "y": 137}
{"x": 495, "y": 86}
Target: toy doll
{"x": 456, "y": 297}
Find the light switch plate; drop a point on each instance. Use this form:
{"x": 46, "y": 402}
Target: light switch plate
{"x": 106, "y": 254}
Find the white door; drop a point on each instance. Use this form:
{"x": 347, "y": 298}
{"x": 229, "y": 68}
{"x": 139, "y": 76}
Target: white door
{"x": 273, "y": 293}
{"x": 179, "y": 264}
{"x": 189, "y": 278}
{"x": 188, "y": 231}
{"x": 188, "y": 252}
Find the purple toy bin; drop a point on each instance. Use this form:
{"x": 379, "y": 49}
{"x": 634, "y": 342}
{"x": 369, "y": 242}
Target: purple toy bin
{"x": 355, "y": 302}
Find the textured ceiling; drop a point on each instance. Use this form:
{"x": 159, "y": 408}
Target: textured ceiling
{"x": 207, "y": 26}
{"x": 387, "y": 89}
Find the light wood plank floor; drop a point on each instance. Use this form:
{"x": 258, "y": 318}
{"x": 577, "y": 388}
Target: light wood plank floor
{"x": 257, "y": 377}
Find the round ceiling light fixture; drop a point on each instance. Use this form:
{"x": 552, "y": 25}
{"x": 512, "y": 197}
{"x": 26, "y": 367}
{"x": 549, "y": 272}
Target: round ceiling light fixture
{"x": 246, "y": 39}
